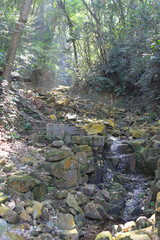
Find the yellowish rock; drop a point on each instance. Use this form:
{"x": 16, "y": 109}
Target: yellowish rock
{"x": 29, "y": 210}
{"x": 67, "y": 163}
{"x": 53, "y": 117}
{"x": 25, "y": 217}
{"x": 95, "y": 129}
{"x": 37, "y": 209}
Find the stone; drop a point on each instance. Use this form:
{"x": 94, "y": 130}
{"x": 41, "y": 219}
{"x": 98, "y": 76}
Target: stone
{"x": 132, "y": 236}
{"x": 91, "y": 212}
{"x": 3, "y": 198}
{"x": 57, "y": 143}
{"x": 84, "y": 148}
{"x": 124, "y": 149}
{"x": 11, "y": 236}
{"x": 29, "y": 210}
{"x": 71, "y": 202}
{"x": 69, "y": 234}
{"x": 129, "y": 226}
{"x": 39, "y": 192}
{"x": 21, "y": 183}
{"x": 55, "y": 155}
{"x": 81, "y": 198}
{"x": 95, "y": 129}
{"x": 8, "y": 214}
{"x": 157, "y": 212}
{"x": 25, "y": 217}
{"x": 71, "y": 178}
{"x": 88, "y": 189}
{"x": 45, "y": 236}
{"x": 56, "y": 169}
{"x": 106, "y": 194}
{"x": 140, "y": 133}
{"x": 53, "y": 117}
{"x": 81, "y": 157}
{"x": 143, "y": 222}
{"x": 102, "y": 212}
{"x": 37, "y": 209}
{"x": 61, "y": 194}
{"x": 65, "y": 222}
{"x": 4, "y": 226}
{"x": 106, "y": 235}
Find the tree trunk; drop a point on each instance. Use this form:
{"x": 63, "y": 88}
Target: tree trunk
{"x": 15, "y": 40}
{"x": 94, "y": 15}
{"x": 61, "y": 5}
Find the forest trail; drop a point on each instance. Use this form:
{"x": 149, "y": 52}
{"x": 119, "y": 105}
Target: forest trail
{"x": 59, "y": 159}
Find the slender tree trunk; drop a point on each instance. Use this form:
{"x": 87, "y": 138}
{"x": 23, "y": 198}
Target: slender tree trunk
{"x": 94, "y": 15}
{"x": 61, "y": 5}
{"x": 16, "y": 39}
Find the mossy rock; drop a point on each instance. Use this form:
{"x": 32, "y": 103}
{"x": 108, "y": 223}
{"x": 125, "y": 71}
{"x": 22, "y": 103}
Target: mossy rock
{"x": 21, "y": 183}
{"x": 140, "y": 133}
{"x": 106, "y": 235}
{"x": 55, "y": 155}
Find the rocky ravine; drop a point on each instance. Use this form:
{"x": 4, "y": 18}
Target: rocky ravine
{"x": 63, "y": 172}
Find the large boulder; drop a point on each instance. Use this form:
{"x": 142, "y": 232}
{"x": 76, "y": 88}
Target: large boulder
{"x": 21, "y": 183}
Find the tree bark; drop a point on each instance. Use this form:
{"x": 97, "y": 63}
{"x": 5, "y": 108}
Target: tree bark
{"x": 94, "y": 15}
{"x": 61, "y": 5}
{"x": 16, "y": 39}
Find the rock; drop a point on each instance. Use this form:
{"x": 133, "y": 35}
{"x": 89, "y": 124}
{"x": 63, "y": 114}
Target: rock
{"x": 129, "y": 226}
{"x": 71, "y": 202}
{"x": 29, "y": 210}
{"x": 116, "y": 210}
{"x": 39, "y": 192}
{"x": 21, "y": 183}
{"x": 104, "y": 236}
{"x": 83, "y": 148}
{"x": 25, "y": 217}
{"x": 4, "y": 226}
{"x": 11, "y": 236}
{"x": 88, "y": 189}
{"x": 106, "y": 194}
{"x": 140, "y": 133}
{"x": 61, "y": 194}
{"x": 65, "y": 222}
{"x": 132, "y": 236}
{"x": 81, "y": 198}
{"x": 55, "y": 155}
{"x": 157, "y": 213}
{"x": 37, "y": 209}
{"x": 95, "y": 129}
{"x": 124, "y": 149}
{"x": 102, "y": 212}
{"x": 53, "y": 117}
{"x": 71, "y": 116}
{"x": 3, "y": 198}
{"x": 71, "y": 178}
{"x": 57, "y": 143}
{"x": 45, "y": 236}
{"x": 81, "y": 157}
{"x": 8, "y": 214}
{"x": 69, "y": 234}
{"x": 96, "y": 141}
{"x": 90, "y": 211}
{"x": 143, "y": 222}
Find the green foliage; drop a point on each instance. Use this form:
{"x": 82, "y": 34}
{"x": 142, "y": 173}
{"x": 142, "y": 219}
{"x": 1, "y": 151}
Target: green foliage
{"x": 27, "y": 126}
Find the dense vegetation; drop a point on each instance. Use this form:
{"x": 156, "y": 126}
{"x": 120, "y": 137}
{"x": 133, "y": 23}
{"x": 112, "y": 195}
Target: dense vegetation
{"x": 111, "y": 45}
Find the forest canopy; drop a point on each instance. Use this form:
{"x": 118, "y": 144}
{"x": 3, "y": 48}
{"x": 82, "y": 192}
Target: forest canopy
{"x": 111, "y": 45}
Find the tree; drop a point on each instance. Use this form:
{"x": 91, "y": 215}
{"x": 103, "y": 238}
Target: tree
{"x": 15, "y": 40}
{"x": 94, "y": 15}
